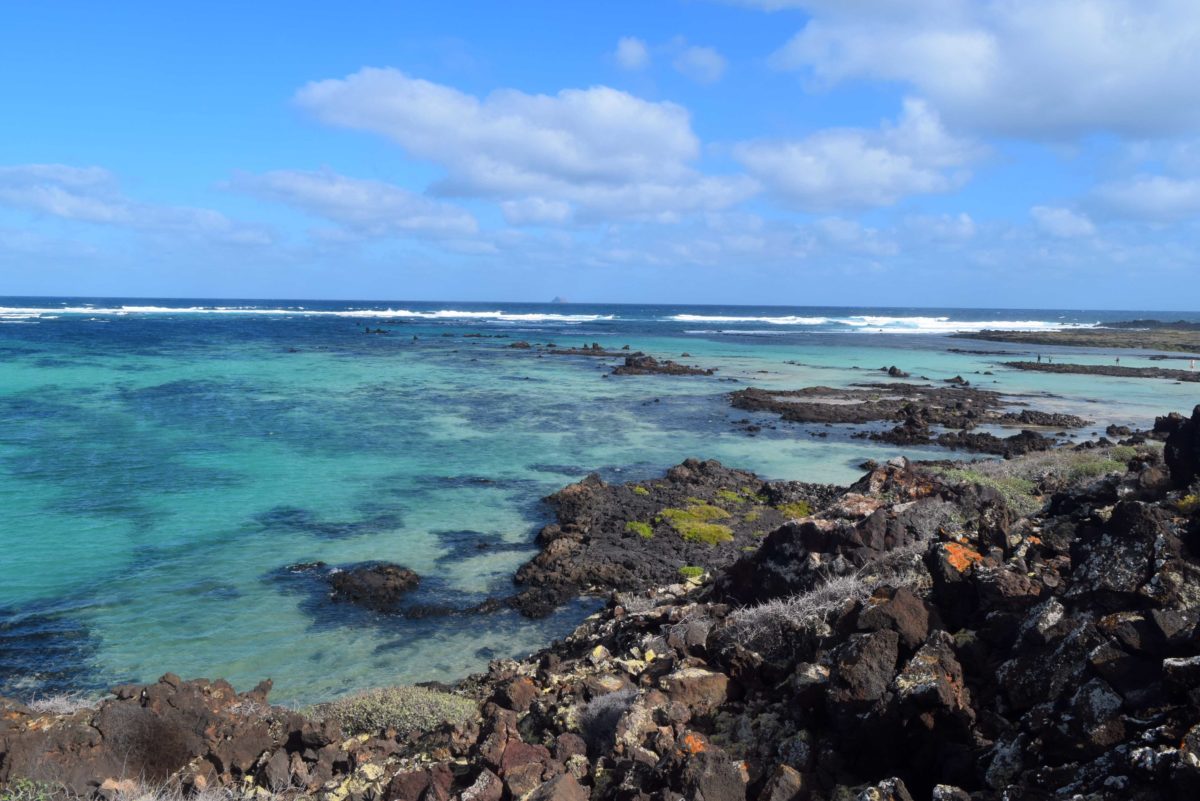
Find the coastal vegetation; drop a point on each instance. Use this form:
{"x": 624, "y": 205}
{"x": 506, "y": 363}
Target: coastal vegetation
{"x": 644, "y": 530}
{"x": 795, "y": 509}
{"x": 407, "y": 711}
{"x": 694, "y": 523}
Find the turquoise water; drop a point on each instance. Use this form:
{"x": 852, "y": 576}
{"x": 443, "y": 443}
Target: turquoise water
{"x": 159, "y": 468}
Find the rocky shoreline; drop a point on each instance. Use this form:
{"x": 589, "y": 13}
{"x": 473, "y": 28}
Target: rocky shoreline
{"x": 1142, "y": 334}
{"x": 918, "y": 409}
{"x": 1026, "y": 629}
{"x": 634, "y": 363}
{"x": 1107, "y": 369}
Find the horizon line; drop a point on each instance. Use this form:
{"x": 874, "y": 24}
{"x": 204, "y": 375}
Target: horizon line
{"x": 585, "y": 303}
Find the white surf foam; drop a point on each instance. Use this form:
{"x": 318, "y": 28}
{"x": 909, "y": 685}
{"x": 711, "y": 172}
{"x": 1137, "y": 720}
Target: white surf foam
{"x": 885, "y": 324}
{"x": 703, "y": 318}
{"x": 439, "y": 314}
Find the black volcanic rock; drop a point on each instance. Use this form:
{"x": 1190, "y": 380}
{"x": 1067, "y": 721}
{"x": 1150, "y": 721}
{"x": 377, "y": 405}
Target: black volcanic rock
{"x": 379, "y": 586}
{"x": 1182, "y": 449}
{"x": 641, "y": 364}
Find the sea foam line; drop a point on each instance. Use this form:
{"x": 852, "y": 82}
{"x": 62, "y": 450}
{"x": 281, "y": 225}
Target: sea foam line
{"x": 888, "y": 324}
{"x": 439, "y": 314}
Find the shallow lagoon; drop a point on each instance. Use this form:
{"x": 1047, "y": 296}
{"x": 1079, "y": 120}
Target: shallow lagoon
{"x": 159, "y": 468}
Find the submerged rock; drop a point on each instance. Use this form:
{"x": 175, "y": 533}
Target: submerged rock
{"x": 641, "y": 364}
{"x": 379, "y": 586}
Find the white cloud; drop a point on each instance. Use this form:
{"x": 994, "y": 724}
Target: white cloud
{"x": 535, "y": 211}
{"x": 701, "y": 64}
{"x": 856, "y": 168}
{"x": 1047, "y": 69}
{"x": 1155, "y": 198}
{"x": 1061, "y": 222}
{"x": 369, "y": 208}
{"x": 92, "y": 194}
{"x": 605, "y": 152}
{"x": 940, "y": 229}
{"x": 851, "y": 236}
{"x": 632, "y": 53}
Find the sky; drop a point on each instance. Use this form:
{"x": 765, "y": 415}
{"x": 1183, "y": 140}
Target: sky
{"x": 980, "y": 153}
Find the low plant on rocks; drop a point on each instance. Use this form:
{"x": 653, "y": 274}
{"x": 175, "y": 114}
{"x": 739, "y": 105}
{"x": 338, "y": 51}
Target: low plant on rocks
{"x": 928, "y": 519}
{"x": 694, "y": 523}
{"x": 1020, "y": 480}
{"x": 408, "y": 711}
{"x": 62, "y": 704}
{"x": 1018, "y": 492}
{"x": 796, "y": 509}
{"x": 29, "y": 790}
{"x": 643, "y": 530}
{"x": 769, "y": 626}
{"x": 598, "y": 718}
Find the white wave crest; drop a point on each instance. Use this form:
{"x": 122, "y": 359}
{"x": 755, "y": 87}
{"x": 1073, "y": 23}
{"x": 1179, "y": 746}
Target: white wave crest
{"x": 946, "y": 325}
{"x": 374, "y": 314}
{"x": 702, "y": 318}
{"x": 886, "y": 324}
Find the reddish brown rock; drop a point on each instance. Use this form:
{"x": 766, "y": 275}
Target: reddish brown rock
{"x": 697, "y": 689}
{"x": 899, "y": 610}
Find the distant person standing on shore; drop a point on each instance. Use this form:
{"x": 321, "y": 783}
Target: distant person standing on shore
{"x": 1039, "y": 358}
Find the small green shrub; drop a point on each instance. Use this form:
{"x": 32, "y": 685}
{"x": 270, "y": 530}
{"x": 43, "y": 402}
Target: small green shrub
{"x": 729, "y": 496}
{"x": 694, "y": 523}
{"x": 407, "y": 710}
{"x": 1123, "y": 453}
{"x": 640, "y": 490}
{"x": 795, "y": 509}
{"x": 1017, "y": 492}
{"x": 753, "y": 515}
{"x": 691, "y": 571}
{"x": 643, "y": 530}
{"x": 1095, "y": 467}
{"x": 697, "y": 511}
{"x": 29, "y": 790}
{"x": 706, "y": 533}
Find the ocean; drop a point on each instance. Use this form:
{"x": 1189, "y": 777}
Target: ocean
{"x": 163, "y": 462}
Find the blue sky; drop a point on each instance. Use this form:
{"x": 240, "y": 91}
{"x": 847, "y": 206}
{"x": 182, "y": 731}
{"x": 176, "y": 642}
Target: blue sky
{"x": 875, "y": 152}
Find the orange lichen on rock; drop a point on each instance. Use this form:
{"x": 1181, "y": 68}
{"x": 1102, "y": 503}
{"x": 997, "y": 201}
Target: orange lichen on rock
{"x": 961, "y": 557}
{"x": 692, "y": 743}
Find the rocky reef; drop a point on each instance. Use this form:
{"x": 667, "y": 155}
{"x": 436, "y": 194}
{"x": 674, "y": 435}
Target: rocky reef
{"x": 1107, "y": 369}
{"x": 917, "y": 409}
{"x": 641, "y": 364}
{"x": 1178, "y": 337}
{"x": 701, "y": 516}
{"x": 1026, "y": 629}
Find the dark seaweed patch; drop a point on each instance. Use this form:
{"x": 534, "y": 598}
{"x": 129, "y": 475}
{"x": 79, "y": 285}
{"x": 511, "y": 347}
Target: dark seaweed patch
{"x": 45, "y": 652}
{"x": 304, "y": 521}
{"x": 465, "y": 544}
